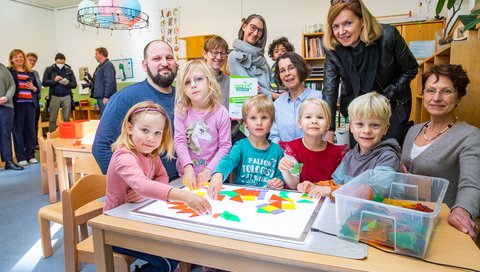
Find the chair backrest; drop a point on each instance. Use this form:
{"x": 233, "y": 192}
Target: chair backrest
{"x": 82, "y": 166}
{"x": 87, "y": 189}
{"x": 42, "y": 148}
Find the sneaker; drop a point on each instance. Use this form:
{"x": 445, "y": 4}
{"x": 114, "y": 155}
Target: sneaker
{"x": 22, "y": 163}
{"x": 32, "y": 161}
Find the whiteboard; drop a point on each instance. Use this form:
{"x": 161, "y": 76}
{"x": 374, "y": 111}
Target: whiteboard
{"x": 273, "y": 214}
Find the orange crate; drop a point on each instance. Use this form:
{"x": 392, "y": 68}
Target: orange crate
{"x": 71, "y": 130}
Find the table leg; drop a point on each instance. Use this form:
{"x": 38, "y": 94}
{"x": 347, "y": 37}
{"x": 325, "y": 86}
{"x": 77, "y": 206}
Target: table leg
{"x": 103, "y": 252}
{"x": 62, "y": 171}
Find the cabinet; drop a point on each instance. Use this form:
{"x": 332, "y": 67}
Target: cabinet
{"x": 419, "y": 31}
{"x": 194, "y": 46}
{"x": 467, "y": 54}
{"x": 314, "y": 54}
{"x": 86, "y": 113}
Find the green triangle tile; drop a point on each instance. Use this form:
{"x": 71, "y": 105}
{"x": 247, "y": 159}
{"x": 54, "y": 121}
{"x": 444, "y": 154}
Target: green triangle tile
{"x": 229, "y": 193}
{"x": 283, "y": 194}
{"x": 304, "y": 201}
{"x": 259, "y": 210}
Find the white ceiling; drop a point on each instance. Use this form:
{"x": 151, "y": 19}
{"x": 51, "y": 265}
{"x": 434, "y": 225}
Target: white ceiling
{"x": 49, "y": 4}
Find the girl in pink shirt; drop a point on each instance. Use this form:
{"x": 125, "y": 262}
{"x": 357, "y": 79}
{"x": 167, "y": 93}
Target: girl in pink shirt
{"x": 202, "y": 124}
{"x": 136, "y": 172}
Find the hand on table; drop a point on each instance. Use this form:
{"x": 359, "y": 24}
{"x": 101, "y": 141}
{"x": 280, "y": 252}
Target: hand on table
{"x": 460, "y": 219}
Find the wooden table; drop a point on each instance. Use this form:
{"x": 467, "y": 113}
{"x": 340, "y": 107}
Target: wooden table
{"x": 447, "y": 245}
{"x": 65, "y": 149}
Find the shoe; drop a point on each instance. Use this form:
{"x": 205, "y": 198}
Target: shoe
{"x": 22, "y": 163}
{"x": 10, "y": 165}
{"x": 32, "y": 161}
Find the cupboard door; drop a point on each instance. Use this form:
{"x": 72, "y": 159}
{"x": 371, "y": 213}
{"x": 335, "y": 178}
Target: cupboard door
{"x": 420, "y": 31}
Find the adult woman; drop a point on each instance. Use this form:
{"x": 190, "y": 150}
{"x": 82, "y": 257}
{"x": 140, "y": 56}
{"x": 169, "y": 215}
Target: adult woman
{"x": 291, "y": 70}
{"x": 366, "y": 56}
{"x": 447, "y": 148}
{"x": 247, "y": 58}
{"x": 24, "y": 107}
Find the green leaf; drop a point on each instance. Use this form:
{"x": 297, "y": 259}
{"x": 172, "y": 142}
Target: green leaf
{"x": 450, "y": 3}
{"x": 476, "y": 12}
{"x": 472, "y": 24}
{"x": 439, "y": 8}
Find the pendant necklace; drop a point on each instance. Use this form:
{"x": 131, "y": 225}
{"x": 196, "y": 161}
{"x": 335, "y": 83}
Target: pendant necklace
{"x": 440, "y": 133}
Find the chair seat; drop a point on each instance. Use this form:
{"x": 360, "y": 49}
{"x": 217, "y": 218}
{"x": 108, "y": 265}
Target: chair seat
{"x": 53, "y": 212}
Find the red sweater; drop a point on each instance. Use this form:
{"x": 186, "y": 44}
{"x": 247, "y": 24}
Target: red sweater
{"x": 317, "y": 165}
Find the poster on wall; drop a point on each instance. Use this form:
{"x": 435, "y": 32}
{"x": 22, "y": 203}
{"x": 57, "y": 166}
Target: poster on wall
{"x": 123, "y": 68}
{"x": 170, "y": 27}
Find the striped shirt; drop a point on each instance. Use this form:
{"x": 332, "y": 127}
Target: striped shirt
{"x": 24, "y": 94}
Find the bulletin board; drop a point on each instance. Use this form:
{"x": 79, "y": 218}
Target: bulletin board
{"x": 272, "y": 214}
{"x": 123, "y": 68}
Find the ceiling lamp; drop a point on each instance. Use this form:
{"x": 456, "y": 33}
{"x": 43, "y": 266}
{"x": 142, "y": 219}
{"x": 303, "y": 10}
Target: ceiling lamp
{"x": 112, "y": 14}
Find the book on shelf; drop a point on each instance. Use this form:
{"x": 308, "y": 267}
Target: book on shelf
{"x": 314, "y": 48}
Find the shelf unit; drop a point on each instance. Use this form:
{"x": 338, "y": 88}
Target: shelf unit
{"x": 194, "y": 46}
{"x": 314, "y": 55}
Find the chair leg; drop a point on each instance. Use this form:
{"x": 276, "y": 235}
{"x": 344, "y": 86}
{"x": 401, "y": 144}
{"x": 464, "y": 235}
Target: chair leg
{"x": 44, "y": 182}
{"x": 45, "y": 237}
{"x": 185, "y": 267}
{"x": 83, "y": 232}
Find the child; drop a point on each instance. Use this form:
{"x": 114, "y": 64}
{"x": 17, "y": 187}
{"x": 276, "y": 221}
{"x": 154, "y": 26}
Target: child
{"x": 202, "y": 124}
{"x": 254, "y": 159}
{"x": 319, "y": 158}
{"x": 136, "y": 171}
{"x": 275, "y": 50}
{"x": 369, "y": 121}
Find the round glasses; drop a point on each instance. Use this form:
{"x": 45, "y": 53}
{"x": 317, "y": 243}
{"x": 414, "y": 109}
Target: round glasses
{"x": 442, "y": 92}
{"x": 217, "y": 53}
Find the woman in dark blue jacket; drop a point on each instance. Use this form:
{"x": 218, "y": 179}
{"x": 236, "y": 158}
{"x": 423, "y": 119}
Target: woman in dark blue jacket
{"x": 363, "y": 56}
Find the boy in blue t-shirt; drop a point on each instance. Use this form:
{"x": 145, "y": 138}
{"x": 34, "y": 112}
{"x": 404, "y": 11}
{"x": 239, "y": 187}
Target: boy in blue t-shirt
{"x": 254, "y": 159}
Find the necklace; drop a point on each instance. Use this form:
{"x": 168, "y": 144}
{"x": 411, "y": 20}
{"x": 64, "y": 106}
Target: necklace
{"x": 440, "y": 133}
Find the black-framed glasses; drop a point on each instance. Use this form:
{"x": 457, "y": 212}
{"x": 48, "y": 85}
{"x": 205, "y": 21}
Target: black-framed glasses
{"x": 442, "y": 92}
{"x": 217, "y": 53}
{"x": 333, "y": 2}
{"x": 254, "y": 28}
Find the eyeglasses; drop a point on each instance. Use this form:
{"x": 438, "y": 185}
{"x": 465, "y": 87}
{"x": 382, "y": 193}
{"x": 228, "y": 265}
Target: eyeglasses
{"x": 442, "y": 92}
{"x": 254, "y": 28}
{"x": 216, "y": 54}
{"x": 333, "y": 2}
{"x": 290, "y": 69}
{"x": 196, "y": 79}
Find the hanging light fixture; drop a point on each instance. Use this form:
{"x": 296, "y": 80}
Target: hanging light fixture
{"x": 112, "y": 14}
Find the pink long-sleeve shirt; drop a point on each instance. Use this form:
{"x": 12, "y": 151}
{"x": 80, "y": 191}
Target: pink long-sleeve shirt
{"x": 202, "y": 139}
{"x": 144, "y": 174}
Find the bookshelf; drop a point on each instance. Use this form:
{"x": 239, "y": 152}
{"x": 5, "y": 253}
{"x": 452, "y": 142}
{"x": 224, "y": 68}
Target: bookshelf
{"x": 314, "y": 55}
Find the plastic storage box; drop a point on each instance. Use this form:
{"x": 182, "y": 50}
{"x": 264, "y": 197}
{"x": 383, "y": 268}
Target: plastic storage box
{"x": 71, "y": 130}
{"x": 406, "y": 230}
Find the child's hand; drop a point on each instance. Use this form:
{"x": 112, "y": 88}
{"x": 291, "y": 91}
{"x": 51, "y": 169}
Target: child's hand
{"x": 199, "y": 204}
{"x": 275, "y": 183}
{"x": 305, "y": 187}
{"x": 203, "y": 177}
{"x": 320, "y": 191}
{"x": 189, "y": 178}
{"x": 133, "y": 197}
{"x": 285, "y": 164}
{"x": 215, "y": 186}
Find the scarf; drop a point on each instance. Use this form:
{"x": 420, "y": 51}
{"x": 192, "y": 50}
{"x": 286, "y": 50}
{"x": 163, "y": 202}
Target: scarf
{"x": 360, "y": 63}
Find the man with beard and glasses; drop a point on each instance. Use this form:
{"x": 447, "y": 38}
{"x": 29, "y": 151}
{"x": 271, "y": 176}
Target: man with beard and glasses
{"x": 159, "y": 63}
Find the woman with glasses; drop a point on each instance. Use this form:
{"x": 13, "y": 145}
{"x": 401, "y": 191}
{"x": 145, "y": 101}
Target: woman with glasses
{"x": 291, "y": 70}
{"x": 446, "y": 147}
{"x": 246, "y": 58}
{"x": 215, "y": 53}
{"x": 362, "y": 55}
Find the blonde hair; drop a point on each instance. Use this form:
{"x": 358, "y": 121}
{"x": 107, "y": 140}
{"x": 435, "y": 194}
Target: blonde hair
{"x": 182, "y": 102}
{"x": 318, "y": 102}
{"x": 138, "y": 111}
{"x": 371, "y": 31}
{"x": 26, "y": 65}
{"x": 368, "y": 106}
{"x": 261, "y": 103}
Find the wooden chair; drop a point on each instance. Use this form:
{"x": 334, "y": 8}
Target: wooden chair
{"x": 85, "y": 166}
{"x": 83, "y": 192}
{"x": 54, "y": 213}
{"x": 42, "y": 148}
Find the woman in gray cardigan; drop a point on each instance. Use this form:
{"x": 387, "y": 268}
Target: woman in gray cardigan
{"x": 446, "y": 147}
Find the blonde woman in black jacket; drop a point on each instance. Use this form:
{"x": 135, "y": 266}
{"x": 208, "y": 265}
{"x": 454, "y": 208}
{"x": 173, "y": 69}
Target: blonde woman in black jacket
{"x": 363, "y": 56}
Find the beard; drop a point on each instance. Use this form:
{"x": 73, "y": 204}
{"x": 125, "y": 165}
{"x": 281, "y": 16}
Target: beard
{"x": 163, "y": 80}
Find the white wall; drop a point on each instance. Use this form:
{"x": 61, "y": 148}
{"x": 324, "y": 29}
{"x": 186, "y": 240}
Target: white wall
{"x": 27, "y": 28}
{"x": 59, "y": 31}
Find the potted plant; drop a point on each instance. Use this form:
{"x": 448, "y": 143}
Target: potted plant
{"x": 455, "y": 8}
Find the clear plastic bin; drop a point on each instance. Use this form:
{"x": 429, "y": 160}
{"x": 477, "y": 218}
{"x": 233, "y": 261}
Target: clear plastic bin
{"x": 405, "y": 230}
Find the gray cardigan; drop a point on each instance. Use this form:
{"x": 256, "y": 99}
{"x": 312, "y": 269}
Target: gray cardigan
{"x": 454, "y": 156}
{"x": 7, "y": 86}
